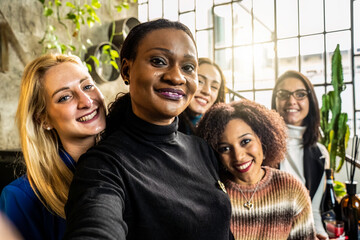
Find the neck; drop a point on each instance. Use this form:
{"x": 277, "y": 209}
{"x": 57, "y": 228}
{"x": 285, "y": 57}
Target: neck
{"x": 251, "y": 180}
{"x": 78, "y": 147}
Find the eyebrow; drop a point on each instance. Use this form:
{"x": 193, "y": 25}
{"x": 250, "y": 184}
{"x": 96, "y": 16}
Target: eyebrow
{"x": 170, "y": 52}
{"x": 237, "y": 137}
{"x": 212, "y": 81}
{"x": 66, "y": 88}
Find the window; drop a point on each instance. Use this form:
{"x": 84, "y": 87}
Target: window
{"x": 255, "y": 41}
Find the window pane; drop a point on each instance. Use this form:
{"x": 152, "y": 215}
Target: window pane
{"x": 357, "y": 27}
{"x": 311, "y": 16}
{"x": 223, "y": 23}
{"x": 357, "y": 83}
{"x": 312, "y": 58}
{"x": 263, "y": 20}
{"x": 337, "y": 13}
{"x": 155, "y": 9}
{"x": 143, "y": 12}
{"x": 343, "y": 39}
{"x": 357, "y": 124}
{"x": 224, "y": 59}
{"x": 142, "y": 1}
{"x": 287, "y": 18}
{"x": 186, "y": 5}
{"x": 189, "y": 20}
{"x": 242, "y": 24}
{"x": 204, "y": 14}
{"x": 171, "y": 10}
{"x": 204, "y": 41}
{"x": 264, "y": 66}
{"x": 248, "y": 95}
{"x": 243, "y": 69}
{"x": 288, "y": 55}
{"x": 264, "y": 98}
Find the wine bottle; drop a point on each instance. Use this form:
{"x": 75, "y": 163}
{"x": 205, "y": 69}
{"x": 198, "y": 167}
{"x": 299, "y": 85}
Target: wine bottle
{"x": 329, "y": 206}
{"x": 350, "y": 210}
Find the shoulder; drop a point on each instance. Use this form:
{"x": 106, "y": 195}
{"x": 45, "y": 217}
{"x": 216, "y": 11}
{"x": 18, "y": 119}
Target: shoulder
{"x": 286, "y": 180}
{"x": 18, "y": 198}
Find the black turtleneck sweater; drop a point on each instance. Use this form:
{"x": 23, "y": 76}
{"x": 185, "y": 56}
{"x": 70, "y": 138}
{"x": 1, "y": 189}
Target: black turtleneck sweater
{"x": 148, "y": 182}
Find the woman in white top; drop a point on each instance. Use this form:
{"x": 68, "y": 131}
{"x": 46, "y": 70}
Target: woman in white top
{"x": 295, "y": 100}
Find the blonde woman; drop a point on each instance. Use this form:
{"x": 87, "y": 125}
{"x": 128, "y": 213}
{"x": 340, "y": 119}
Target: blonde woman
{"x": 59, "y": 116}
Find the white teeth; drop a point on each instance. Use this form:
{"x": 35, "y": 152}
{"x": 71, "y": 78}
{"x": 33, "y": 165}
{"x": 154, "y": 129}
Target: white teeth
{"x": 88, "y": 117}
{"x": 202, "y": 100}
{"x": 242, "y": 167}
{"x": 291, "y": 110}
{"x": 172, "y": 93}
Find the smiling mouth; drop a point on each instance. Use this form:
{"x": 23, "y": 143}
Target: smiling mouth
{"x": 291, "y": 110}
{"x": 201, "y": 101}
{"x": 88, "y": 117}
{"x": 172, "y": 94}
{"x": 243, "y": 167}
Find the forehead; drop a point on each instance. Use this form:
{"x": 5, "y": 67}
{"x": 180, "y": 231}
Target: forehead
{"x": 291, "y": 83}
{"x": 63, "y": 74}
{"x": 209, "y": 70}
{"x": 171, "y": 38}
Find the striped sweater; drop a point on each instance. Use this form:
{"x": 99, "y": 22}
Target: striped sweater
{"x": 282, "y": 208}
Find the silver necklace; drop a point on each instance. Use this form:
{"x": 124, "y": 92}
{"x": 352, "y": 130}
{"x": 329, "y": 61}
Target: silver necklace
{"x": 249, "y": 204}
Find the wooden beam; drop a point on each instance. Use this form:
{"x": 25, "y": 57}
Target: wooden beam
{"x": 4, "y": 50}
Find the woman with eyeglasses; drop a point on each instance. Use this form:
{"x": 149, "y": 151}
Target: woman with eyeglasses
{"x": 295, "y": 100}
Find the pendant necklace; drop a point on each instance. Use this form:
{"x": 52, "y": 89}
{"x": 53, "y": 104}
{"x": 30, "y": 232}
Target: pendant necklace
{"x": 249, "y": 204}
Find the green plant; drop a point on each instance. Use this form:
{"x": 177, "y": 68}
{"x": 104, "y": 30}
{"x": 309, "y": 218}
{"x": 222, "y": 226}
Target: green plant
{"x": 72, "y": 16}
{"x": 335, "y": 130}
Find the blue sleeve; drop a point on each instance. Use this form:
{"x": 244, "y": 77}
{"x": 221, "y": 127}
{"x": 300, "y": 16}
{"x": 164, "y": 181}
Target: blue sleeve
{"x": 20, "y": 204}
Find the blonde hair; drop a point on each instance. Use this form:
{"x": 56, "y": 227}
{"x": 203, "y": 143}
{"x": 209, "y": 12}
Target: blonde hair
{"x": 48, "y": 175}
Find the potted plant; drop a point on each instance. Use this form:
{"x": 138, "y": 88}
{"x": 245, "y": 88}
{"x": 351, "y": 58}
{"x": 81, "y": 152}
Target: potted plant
{"x": 333, "y": 123}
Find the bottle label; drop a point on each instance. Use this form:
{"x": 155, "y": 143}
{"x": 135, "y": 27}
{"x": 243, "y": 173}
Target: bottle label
{"x": 328, "y": 215}
{"x": 329, "y": 181}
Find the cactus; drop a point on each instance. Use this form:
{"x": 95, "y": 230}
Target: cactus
{"x": 336, "y": 131}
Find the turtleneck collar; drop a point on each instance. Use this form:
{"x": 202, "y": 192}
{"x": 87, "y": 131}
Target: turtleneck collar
{"x": 195, "y": 119}
{"x": 149, "y": 131}
{"x": 295, "y": 132}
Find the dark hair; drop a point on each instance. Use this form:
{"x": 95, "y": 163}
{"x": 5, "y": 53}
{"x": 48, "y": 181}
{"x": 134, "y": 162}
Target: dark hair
{"x": 267, "y": 124}
{"x": 312, "y": 120}
{"x": 138, "y": 33}
{"x": 128, "y": 51}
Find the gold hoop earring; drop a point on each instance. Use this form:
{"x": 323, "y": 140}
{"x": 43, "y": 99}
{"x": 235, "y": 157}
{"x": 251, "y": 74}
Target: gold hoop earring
{"x": 127, "y": 82}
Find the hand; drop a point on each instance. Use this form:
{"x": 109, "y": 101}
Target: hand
{"x": 321, "y": 237}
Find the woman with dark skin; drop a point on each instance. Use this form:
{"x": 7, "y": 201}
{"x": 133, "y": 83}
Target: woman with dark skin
{"x": 266, "y": 203}
{"x": 145, "y": 180}
{"x": 211, "y": 90}
{"x": 295, "y": 100}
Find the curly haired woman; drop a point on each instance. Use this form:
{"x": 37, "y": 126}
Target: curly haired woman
{"x": 266, "y": 203}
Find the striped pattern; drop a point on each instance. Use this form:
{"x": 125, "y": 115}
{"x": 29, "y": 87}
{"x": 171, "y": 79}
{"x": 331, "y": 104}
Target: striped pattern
{"x": 282, "y": 209}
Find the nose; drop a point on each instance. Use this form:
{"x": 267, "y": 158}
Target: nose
{"x": 239, "y": 153}
{"x": 175, "y": 76}
{"x": 84, "y": 100}
{"x": 206, "y": 89}
{"x": 291, "y": 100}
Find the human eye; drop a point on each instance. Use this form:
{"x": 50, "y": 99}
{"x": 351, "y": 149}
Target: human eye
{"x": 63, "y": 98}
{"x": 223, "y": 149}
{"x": 301, "y": 94}
{"x": 88, "y": 87}
{"x": 215, "y": 87}
{"x": 282, "y": 94}
{"x": 245, "y": 141}
{"x": 189, "y": 68}
{"x": 201, "y": 81}
{"x": 158, "y": 61}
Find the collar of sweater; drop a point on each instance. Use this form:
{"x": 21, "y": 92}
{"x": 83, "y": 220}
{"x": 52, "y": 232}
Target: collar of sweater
{"x": 295, "y": 132}
{"x": 149, "y": 131}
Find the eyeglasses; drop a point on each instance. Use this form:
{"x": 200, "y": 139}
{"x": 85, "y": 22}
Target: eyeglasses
{"x": 299, "y": 94}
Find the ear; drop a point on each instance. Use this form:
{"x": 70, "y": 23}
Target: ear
{"x": 125, "y": 69}
{"x": 44, "y": 122}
